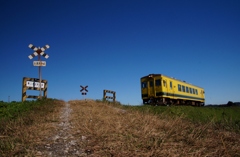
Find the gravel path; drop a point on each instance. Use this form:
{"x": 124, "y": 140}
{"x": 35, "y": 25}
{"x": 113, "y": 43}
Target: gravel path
{"x": 62, "y": 143}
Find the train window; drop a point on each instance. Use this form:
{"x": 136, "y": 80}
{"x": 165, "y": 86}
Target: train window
{"x": 190, "y": 90}
{"x": 187, "y": 90}
{"x": 158, "y": 82}
{"x": 193, "y": 91}
{"x": 171, "y": 84}
{"x": 179, "y": 87}
{"x": 196, "y": 92}
{"x": 183, "y": 88}
{"x": 144, "y": 84}
{"x": 151, "y": 83}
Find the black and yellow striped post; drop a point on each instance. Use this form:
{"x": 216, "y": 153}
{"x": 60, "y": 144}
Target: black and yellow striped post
{"x": 24, "y": 88}
{"x": 33, "y": 84}
{"x": 109, "y": 97}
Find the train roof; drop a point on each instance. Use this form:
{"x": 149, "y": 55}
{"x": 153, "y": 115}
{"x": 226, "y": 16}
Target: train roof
{"x": 153, "y": 75}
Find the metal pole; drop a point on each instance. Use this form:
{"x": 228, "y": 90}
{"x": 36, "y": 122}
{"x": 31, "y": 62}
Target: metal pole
{"x": 40, "y": 77}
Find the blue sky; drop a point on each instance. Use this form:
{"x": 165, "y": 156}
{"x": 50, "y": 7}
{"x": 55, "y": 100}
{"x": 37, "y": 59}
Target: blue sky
{"x": 111, "y": 44}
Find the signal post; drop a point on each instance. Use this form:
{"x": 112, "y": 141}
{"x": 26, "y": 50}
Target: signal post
{"x": 37, "y": 52}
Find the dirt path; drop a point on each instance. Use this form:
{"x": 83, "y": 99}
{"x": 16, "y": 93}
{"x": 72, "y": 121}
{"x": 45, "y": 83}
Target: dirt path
{"x": 62, "y": 142}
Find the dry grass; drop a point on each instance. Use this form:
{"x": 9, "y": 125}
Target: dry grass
{"x": 103, "y": 130}
{"x": 93, "y": 128}
{"x": 19, "y": 136}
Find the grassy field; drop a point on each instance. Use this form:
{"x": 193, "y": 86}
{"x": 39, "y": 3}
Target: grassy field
{"x": 20, "y": 124}
{"x": 110, "y": 129}
{"x": 14, "y": 110}
{"x": 116, "y": 130}
{"x": 224, "y": 117}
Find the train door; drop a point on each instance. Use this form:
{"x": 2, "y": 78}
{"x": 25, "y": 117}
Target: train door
{"x": 165, "y": 87}
{"x": 170, "y": 87}
{"x": 158, "y": 86}
{"x": 173, "y": 89}
{"x": 151, "y": 90}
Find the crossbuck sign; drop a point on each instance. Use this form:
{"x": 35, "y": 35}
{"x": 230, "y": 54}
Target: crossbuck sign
{"x": 84, "y": 90}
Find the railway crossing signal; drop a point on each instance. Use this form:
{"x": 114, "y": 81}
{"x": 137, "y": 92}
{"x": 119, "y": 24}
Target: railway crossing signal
{"x": 39, "y": 52}
{"x": 84, "y": 90}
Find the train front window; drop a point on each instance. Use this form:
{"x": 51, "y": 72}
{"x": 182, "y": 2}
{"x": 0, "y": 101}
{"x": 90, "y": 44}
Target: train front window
{"x": 151, "y": 83}
{"x": 144, "y": 84}
{"x": 158, "y": 82}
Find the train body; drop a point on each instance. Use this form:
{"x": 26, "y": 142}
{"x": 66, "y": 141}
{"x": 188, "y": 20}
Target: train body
{"x": 159, "y": 89}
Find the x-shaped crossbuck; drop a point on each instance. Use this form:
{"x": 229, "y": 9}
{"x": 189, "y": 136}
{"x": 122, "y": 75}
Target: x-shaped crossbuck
{"x": 38, "y": 51}
{"x": 84, "y": 89}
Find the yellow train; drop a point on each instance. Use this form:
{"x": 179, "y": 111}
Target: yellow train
{"x": 159, "y": 89}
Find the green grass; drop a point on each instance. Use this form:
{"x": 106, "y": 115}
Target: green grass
{"x": 224, "y": 117}
{"x": 16, "y": 109}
